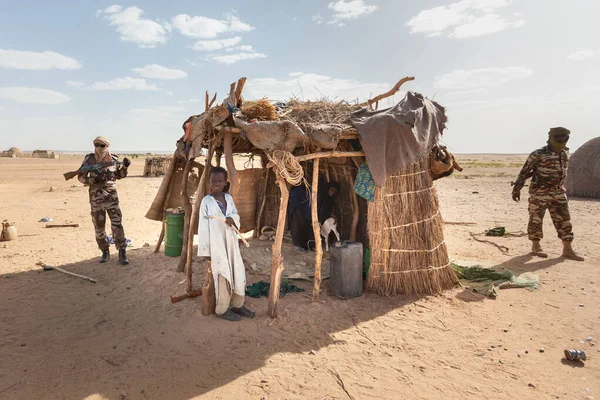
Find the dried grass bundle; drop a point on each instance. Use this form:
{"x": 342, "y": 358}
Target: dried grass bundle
{"x": 321, "y": 111}
{"x": 261, "y": 110}
{"x": 408, "y": 252}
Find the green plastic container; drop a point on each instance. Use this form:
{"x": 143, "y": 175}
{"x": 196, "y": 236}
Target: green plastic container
{"x": 367, "y": 261}
{"x": 173, "y": 234}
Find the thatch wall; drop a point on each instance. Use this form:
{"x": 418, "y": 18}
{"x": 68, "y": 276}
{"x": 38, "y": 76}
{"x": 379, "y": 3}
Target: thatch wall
{"x": 583, "y": 178}
{"x": 408, "y": 252}
{"x": 157, "y": 165}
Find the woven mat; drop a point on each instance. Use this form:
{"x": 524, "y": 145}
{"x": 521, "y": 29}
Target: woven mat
{"x": 297, "y": 265}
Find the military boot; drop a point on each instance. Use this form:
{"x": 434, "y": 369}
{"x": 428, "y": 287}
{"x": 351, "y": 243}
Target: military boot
{"x": 123, "y": 257}
{"x": 569, "y": 253}
{"x": 105, "y": 256}
{"x": 536, "y": 249}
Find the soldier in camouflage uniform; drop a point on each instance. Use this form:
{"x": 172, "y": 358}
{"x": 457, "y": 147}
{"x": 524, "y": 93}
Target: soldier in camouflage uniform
{"x": 548, "y": 169}
{"x": 104, "y": 198}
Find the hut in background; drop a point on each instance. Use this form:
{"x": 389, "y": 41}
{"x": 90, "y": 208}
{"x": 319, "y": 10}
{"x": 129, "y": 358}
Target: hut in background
{"x": 156, "y": 165}
{"x": 301, "y": 142}
{"x": 13, "y": 152}
{"x": 583, "y": 178}
{"x": 44, "y": 154}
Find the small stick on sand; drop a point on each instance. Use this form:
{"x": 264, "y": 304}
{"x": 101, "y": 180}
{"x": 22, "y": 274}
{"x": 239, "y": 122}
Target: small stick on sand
{"x": 503, "y": 249}
{"x": 62, "y": 225}
{"x": 341, "y": 383}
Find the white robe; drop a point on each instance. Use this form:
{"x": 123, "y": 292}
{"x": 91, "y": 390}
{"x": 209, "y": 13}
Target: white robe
{"x": 219, "y": 242}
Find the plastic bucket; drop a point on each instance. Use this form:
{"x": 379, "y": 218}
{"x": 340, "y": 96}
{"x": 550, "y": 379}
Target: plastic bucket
{"x": 173, "y": 234}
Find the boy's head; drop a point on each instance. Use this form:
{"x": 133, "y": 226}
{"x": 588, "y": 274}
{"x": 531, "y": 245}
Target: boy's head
{"x": 218, "y": 179}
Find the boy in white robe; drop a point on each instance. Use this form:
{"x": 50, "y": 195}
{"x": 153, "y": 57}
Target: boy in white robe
{"x": 219, "y": 243}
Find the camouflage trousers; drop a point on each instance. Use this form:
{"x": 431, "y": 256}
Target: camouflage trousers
{"x": 105, "y": 200}
{"x": 558, "y": 206}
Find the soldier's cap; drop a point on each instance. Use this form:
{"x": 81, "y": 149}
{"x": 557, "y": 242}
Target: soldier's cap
{"x": 559, "y": 130}
{"x": 102, "y": 140}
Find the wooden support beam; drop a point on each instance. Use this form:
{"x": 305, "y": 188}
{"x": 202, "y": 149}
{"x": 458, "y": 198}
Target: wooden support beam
{"x": 355, "y": 208}
{"x": 226, "y": 128}
{"x": 212, "y": 101}
{"x": 316, "y": 231}
{"x": 262, "y": 206}
{"x": 388, "y": 93}
{"x": 195, "y": 211}
{"x": 277, "y": 258}
{"x": 234, "y": 177}
{"x": 328, "y": 154}
{"x": 206, "y": 106}
{"x": 187, "y": 205}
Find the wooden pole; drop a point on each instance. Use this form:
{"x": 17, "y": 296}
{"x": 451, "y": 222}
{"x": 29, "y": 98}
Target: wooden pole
{"x": 206, "y": 103}
{"x": 355, "y": 208}
{"x": 316, "y": 230}
{"x": 277, "y": 259}
{"x": 192, "y": 227}
{"x": 262, "y": 206}
{"x": 234, "y": 177}
{"x": 218, "y": 157}
{"x": 328, "y": 154}
{"x": 209, "y": 299}
{"x": 388, "y": 93}
{"x": 187, "y": 205}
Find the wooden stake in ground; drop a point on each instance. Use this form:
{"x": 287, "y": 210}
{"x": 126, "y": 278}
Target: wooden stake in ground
{"x": 277, "y": 259}
{"x": 316, "y": 230}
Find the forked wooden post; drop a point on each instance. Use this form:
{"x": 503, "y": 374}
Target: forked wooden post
{"x": 234, "y": 177}
{"x": 277, "y": 259}
{"x": 262, "y": 206}
{"x": 187, "y": 205}
{"x": 194, "y": 217}
{"x": 316, "y": 230}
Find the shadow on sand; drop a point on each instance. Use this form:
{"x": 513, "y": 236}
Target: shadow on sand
{"x": 123, "y": 335}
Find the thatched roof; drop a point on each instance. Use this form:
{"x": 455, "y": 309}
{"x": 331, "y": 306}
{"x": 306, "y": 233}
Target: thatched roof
{"x": 14, "y": 150}
{"x": 583, "y": 178}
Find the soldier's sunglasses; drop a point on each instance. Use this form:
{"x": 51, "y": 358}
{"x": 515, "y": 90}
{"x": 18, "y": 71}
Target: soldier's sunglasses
{"x": 99, "y": 145}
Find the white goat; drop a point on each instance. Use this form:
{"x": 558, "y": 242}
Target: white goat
{"x": 330, "y": 225}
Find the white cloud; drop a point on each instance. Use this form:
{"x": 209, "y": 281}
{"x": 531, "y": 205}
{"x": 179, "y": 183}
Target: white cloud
{"x": 208, "y": 28}
{"x": 296, "y": 73}
{"x": 317, "y": 19}
{"x": 480, "y": 78}
{"x": 581, "y": 55}
{"x": 125, "y": 84}
{"x": 490, "y": 23}
{"x": 76, "y": 84}
{"x": 212, "y": 45}
{"x": 235, "y": 57}
{"x": 159, "y": 72}
{"x": 345, "y": 11}
{"x": 464, "y": 19}
{"x": 312, "y": 87}
{"x": 33, "y": 95}
{"x": 132, "y": 28}
{"x": 159, "y": 115}
{"x": 169, "y": 93}
{"x": 32, "y": 60}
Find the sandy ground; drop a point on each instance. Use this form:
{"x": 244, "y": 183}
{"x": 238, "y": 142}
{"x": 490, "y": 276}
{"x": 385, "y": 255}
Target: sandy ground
{"x": 65, "y": 338}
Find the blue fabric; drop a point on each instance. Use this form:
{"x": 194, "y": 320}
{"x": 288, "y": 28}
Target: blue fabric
{"x": 364, "y": 186}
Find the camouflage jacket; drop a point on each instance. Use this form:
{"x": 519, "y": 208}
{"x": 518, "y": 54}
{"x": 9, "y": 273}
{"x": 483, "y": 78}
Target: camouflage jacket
{"x": 547, "y": 170}
{"x": 112, "y": 173}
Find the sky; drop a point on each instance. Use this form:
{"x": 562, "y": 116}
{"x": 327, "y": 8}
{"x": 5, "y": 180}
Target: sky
{"x": 506, "y": 70}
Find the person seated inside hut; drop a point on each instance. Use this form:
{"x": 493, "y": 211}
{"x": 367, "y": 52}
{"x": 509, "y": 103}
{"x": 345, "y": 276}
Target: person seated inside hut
{"x": 299, "y": 212}
{"x": 218, "y": 242}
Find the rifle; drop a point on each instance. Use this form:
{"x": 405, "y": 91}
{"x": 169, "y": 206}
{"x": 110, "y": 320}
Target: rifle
{"x": 93, "y": 167}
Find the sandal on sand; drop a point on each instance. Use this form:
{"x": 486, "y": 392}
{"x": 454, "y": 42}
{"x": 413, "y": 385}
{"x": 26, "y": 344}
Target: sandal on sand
{"x": 243, "y": 311}
{"x": 230, "y": 316}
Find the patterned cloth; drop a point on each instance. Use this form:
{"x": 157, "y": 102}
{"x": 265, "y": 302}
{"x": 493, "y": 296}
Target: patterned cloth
{"x": 558, "y": 207}
{"x": 547, "y": 170}
{"x": 364, "y": 186}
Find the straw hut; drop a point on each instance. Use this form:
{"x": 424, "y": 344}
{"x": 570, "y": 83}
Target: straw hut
{"x": 583, "y": 179}
{"x": 305, "y": 142}
{"x": 44, "y": 154}
{"x": 156, "y": 165}
{"x": 14, "y": 152}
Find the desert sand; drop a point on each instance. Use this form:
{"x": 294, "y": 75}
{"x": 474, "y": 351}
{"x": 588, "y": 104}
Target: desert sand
{"x": 65, "y": 338}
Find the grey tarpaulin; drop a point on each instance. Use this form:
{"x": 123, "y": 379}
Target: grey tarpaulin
{"x": 398, "y": 136}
